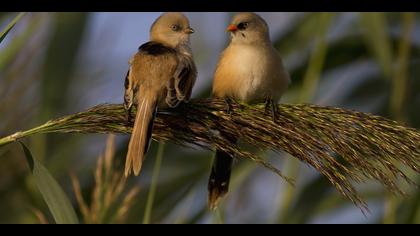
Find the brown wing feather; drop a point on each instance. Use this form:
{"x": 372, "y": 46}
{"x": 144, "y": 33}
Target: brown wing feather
{"x": 128, "y": 93}
{"x": 184, "y": 78}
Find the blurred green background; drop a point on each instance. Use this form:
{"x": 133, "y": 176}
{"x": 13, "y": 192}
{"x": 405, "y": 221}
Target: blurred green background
{"x": 53, "y": 64}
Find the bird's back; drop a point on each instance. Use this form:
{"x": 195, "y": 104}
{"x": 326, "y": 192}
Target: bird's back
{"x": 154, "y": 65}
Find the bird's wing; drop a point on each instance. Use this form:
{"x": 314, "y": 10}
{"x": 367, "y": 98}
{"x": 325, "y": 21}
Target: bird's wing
{"x": 128, "y": 92}
{"x": 180, "y": 87}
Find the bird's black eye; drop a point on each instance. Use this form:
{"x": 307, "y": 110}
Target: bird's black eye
{"x": 176, "y": 28}
{"x": 243, "y": 25}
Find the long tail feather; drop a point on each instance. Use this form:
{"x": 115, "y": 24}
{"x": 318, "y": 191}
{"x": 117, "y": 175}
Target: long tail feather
{"x": 141, "y": 135}
{"x": 219, "y": 179}
{"x": 218, "y": 184}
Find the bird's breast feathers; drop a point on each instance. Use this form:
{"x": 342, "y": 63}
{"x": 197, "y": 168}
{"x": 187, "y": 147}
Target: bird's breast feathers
{"x": 250, "y": 73}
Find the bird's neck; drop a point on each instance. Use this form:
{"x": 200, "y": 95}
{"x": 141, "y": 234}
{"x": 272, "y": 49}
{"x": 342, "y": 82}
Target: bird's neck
{"x": 184, "y": 48}
{"x": 262, "y": 43}
{"x": 250, "y": 39}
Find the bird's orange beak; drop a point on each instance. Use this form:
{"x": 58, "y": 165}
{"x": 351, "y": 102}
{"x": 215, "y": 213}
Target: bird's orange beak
{"x": 232, "y": 28}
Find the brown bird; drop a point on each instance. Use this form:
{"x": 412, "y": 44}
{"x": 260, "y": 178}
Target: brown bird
{"x": 249, "y": 70}
{"x": 162, "y": 74}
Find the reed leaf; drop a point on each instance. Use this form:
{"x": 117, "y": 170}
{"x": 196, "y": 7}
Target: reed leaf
{"x": 345, "y": 146}
{"x": 56, "y": 199}
{"x": 10, "y": 26}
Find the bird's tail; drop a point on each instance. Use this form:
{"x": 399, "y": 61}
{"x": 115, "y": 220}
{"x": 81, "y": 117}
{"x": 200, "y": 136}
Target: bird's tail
{"x": 218, "y": 184}
{"x": 142, "y": 133}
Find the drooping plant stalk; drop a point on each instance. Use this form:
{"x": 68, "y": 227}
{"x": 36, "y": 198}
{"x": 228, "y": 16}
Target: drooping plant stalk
{"x": 310, "y": 85}
{"x": 345, "y": 146}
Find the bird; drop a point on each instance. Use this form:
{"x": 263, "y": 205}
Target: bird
{"x": 161, "y": 74}
{"x": 249, "y": 70}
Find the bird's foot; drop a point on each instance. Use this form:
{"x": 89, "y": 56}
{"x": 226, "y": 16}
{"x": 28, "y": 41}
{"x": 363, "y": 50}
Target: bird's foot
{"x": 129, "y": 116}
{"x": 271, "y": 107}
{"x": 228, "y": 105}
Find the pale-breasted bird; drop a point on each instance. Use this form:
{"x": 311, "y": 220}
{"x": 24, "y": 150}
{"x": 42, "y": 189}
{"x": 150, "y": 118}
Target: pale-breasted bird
{"x": 249, "y": 70}
{"x": 162, "y": 74}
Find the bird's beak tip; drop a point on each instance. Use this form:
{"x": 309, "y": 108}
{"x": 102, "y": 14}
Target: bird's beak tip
{"x": 232, "y": 28}
{"x": 190, "y": 30}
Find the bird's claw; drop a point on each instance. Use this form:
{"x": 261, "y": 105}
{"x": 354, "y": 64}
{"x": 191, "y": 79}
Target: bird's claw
{"x": 271, "y": 107}
{"x": 228, "y": 105}
{"x": 129, "y": 116}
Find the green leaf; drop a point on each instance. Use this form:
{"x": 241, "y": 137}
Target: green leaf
{"x": 14, "y": 47}
{"x": 53, "y": 194}
{"x": 10, "y": 26}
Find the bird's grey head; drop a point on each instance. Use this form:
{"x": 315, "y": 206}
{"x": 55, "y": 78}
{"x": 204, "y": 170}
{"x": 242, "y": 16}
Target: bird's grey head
{"x": 172, "y": 29}
{"x": 248, "y": 28}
